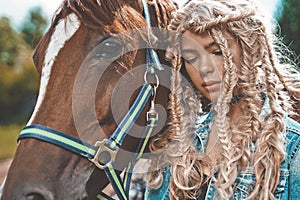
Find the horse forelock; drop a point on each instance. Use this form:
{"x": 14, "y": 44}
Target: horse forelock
{"x": 128, "y": 14}
{"x": 95, "y": 14}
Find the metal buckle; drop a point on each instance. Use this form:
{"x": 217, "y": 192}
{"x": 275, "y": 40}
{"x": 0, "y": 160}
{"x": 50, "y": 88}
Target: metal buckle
{"x": 152, "y": 113}
{"x": 104, "y": 154}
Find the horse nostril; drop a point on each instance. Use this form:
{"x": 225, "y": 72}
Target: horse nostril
{"x": 35, "y": 196}
{"x": 33, "y": 192}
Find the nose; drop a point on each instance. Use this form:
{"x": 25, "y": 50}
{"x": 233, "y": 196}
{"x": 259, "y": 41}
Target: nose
{"x": 33, "y": 193}
{"x": 206, "y": 66}
{"x": 37, "y": 193}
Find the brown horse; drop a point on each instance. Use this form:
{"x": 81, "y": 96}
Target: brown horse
{"x": 92, "y": 65}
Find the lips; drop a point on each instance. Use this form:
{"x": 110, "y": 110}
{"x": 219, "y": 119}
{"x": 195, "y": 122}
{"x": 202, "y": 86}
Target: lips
{"x": 212, "y": 85}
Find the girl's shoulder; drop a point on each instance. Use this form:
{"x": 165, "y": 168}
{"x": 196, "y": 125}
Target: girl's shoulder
{"x": 293, "y": 157}
{"x": 163, "y": 192}
{"x": 292, "y": 139}
{"x": 292, "y": 127}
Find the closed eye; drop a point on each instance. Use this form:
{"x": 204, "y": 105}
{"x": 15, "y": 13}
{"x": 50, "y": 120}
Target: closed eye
{"x": 190, "y": 55}
{"x": 217, "y": 53}
{"x": 192, "y": 59}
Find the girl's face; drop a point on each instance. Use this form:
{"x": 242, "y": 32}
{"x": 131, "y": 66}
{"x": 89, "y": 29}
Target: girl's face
{"x": 204, "y": 62}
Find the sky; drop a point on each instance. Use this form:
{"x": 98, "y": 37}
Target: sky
{"x": 17, "y": 10}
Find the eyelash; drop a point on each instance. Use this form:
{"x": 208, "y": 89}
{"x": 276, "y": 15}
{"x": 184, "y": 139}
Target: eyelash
{"x": 191, "y": 60}
{"x": 217, "y": 53}
{"x": 194, "y": 59}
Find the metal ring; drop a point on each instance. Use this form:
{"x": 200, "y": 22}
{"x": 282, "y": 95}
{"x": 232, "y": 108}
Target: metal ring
{"x": 102, "y": 150}
{"x": 156, "y": 77}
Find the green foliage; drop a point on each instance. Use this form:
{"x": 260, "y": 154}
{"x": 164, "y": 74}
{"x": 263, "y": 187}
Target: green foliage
{"x": 8, "y": 142}
{"x": 17, "y": 89}
{"x": 10, "y": 43}
{"x": 290, "y": 25}
{"x": 34, "y": 27}
{"x": 18, "y": 76}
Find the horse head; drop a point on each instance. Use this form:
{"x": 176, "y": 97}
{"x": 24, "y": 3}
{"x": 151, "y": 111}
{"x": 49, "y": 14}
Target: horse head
{"x": 91, "y": 64}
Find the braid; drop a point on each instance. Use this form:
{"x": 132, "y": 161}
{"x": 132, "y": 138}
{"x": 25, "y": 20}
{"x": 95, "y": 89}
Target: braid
{"x": 270, "y": 150}
{"x": 282, "y": 96}
{"x": 228, "y": 169}
{"x": 251, "y": 140}
{"x": 248, "y": 83}
{"x": 249, "y": 77}
{"x": 176, "y": 111}
{"x": 220, "y": 20}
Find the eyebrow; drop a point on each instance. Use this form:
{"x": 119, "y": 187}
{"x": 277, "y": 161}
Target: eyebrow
{"x": 189, "y": 51}
{"x": 206, "y": 47}
{"x": 211, "y": 44}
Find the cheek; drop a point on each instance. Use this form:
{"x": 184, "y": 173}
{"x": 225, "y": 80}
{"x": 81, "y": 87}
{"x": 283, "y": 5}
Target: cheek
{"x": 195, "y": 77}
{"x": 219, "y": 63}
{"x": 193, "y": 73}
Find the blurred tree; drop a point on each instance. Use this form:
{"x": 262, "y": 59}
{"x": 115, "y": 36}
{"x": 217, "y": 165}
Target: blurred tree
{"x": 18, "y": 76}
{"x": 10, "y": 43}
{"x": 17, "y": 89}
{"x": 288, "y": 18}
{"x": 34, "y": 26}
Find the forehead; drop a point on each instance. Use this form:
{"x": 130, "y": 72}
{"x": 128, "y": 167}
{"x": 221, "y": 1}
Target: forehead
{"x": 193, "y": 40}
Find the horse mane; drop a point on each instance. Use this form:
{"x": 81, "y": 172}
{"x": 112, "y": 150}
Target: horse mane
{"x": 109, "y": 17}
{"x": 117, "y": 15}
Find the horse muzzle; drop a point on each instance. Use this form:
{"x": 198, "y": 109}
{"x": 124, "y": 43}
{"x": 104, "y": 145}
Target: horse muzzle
{"x": 28, "y": 193}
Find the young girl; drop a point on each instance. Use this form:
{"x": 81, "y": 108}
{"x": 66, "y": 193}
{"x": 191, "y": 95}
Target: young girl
{"x": 233, "y": 96}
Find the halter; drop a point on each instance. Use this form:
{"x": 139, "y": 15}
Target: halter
{"x": 103, "y": 153}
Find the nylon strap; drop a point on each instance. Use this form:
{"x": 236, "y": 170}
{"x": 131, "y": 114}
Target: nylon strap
{"x": 87, "y": 150}
{"x": 103, "y": 196}
{"x": 116, "y": 140}
{"x": 151, "y": 124}
{"x": 82, "y": 148}
{"x": 58, "y": 138}
{"x": 152, "y": 60}
{"x": 114, "y": 178}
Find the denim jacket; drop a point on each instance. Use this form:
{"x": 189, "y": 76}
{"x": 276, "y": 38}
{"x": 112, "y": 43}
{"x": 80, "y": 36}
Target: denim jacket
{"x": 288, "y": 186}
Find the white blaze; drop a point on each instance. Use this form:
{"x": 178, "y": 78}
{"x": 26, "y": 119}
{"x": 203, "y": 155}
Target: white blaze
{"x": 64, "y": 30}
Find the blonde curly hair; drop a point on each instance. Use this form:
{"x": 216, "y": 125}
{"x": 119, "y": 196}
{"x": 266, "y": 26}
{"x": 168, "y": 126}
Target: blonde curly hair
{"x": 263, "y": 70}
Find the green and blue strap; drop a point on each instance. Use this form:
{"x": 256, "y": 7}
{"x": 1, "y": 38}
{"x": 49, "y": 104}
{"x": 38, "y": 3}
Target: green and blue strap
{"x": 115, "y": 141}
{"x": 152, "y": 60}
{"x": 87, "y": 150}
{"x": 58, "y": 138}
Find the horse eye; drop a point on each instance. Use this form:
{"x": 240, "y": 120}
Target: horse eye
{"x": 108, "y": 49}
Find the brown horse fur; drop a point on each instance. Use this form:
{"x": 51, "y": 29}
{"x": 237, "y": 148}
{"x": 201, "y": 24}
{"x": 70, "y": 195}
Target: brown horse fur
{"x": 44, "y": 171}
